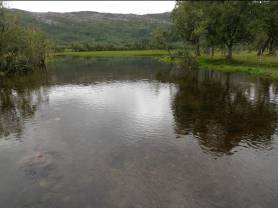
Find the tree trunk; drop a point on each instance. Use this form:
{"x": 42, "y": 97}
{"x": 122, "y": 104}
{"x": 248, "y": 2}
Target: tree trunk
{"x": 262, "y": 49}
{"x": 230, "y": 53}
{"x": 271, "y": 47}
{"x": 197, "y": 49}
{"x": 196, "y": 43}
{"x": 212, "y": 51}
{"x": 170, "y": 53}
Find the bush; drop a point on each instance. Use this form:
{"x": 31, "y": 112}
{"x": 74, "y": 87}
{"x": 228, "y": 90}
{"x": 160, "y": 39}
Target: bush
{"x": 21, "y": 49}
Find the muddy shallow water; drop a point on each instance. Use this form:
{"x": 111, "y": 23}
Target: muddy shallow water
{"x": 137, "y": 133}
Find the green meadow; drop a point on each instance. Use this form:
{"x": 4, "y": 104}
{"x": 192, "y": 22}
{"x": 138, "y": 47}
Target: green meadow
{"x": 99, "y": 54}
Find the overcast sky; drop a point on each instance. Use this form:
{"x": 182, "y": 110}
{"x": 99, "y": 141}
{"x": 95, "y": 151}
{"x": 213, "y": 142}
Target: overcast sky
{"x": 135, "y": 7}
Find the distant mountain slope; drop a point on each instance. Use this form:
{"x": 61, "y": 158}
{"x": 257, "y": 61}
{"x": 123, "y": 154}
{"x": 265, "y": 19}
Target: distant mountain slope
{"x": 87, "y": 26}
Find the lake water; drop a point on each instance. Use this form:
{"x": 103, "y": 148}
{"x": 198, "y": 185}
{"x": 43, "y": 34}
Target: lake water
{"x": 137, "y": 133}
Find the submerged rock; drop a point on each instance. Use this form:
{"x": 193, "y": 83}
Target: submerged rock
{"x": 37, "y": 165}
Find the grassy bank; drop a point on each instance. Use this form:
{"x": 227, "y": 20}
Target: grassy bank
{"x": 100, "y": 54}
{"x": 265, "y": 66}
{"x": 248, "y": 63}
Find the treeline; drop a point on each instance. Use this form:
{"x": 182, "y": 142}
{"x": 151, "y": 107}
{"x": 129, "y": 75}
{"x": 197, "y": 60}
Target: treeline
{"x": 21, "y": 48}
{"x": 145, "y": 44}
{"x": 87, "y": 46}
{"x": 208, "y": 25}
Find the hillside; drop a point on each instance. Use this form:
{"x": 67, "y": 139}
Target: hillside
{"x": 94, "y": 27}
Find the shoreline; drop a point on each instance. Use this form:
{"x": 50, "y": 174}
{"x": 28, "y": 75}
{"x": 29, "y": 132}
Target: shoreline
{"x": 246, "y": 63}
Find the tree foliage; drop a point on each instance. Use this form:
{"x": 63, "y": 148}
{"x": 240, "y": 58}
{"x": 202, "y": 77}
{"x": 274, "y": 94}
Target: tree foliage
{"x": 188, "y": 18}
{"x": 163, "y": 39}
{"x": 21, "y": 49}
{"x": 228, "y": 24}
{"x": 266, "y": 27}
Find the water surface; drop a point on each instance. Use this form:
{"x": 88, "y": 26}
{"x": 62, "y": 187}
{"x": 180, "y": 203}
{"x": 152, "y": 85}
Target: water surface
{"x": 137, "y": 133}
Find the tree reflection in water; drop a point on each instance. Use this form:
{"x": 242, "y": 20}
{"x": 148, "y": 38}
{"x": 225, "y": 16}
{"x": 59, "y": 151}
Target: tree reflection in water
{"x": 20, "y": 97}
{"x": 224, "y": 111}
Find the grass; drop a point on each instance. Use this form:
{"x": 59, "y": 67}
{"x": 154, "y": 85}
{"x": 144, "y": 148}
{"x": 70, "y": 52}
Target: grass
{"x": 248, "y": 63}
{"x": 99, "y": 54}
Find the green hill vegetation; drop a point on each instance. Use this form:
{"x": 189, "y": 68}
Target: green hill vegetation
{"x": 86, "y": 30}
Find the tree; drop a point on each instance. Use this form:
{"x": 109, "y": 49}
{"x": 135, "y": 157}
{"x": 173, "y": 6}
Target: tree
{"x": 189, "y": 21}
{"x": 266, "y": 27}
{"x": 228, "y": 23}
{"x": 162, "y": 40}
{"x": 21, "y": 49}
